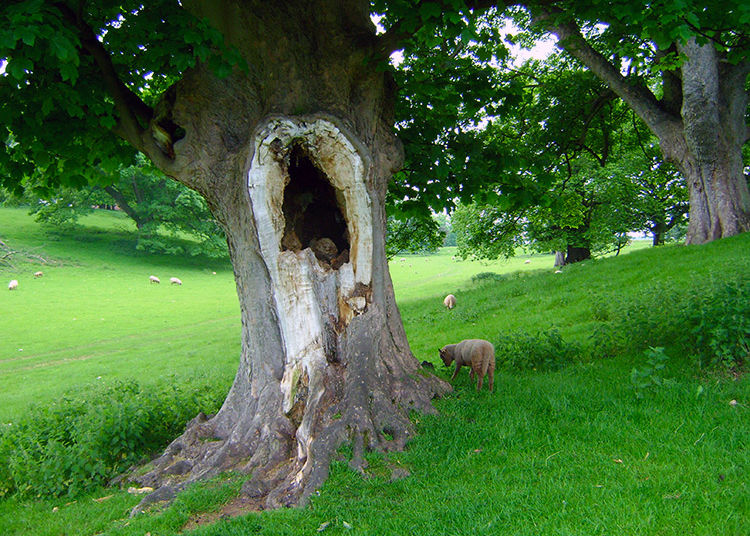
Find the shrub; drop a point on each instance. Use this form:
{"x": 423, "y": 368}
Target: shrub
{"x": 709, "y": 321}
{"x": 599, "y": 308}
{"x": 721, "y": 326}
{"x": 83, "y": 441}
{"x": 648, "y": 377}
{"x": 523, "y": 350}
{"x": 484, "y": 277}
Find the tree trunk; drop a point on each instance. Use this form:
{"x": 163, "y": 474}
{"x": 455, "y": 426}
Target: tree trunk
{"x": 122, "y": 202}
{"x": 577, "y": 254}
{"x": 658, "y": 236}
{"x": 713, "y": 113}
{"x": 559, "y": 258}
{"x": 294, "y": 159}
{"x": 661, "y": 227}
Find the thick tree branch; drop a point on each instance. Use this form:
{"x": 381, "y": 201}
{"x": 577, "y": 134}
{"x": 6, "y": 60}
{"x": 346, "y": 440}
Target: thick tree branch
{"x": 637, "y": 96}
{"x": 604, "y": 98}
{"x": 122, "y": 202}
{"x": 134, "y": 114}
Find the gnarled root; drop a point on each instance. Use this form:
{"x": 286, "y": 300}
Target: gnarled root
{"x": 364, "y": 398}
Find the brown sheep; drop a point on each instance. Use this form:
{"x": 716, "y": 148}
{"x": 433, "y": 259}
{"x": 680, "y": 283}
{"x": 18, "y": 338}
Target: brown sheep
{"x": 476, "y": 353}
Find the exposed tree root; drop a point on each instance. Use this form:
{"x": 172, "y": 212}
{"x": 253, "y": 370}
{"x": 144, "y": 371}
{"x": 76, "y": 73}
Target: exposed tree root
{"x": 363, "y": 403}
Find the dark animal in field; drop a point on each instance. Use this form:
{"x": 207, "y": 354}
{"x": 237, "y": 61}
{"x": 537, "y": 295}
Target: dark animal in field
{"x": 475, "y": 353}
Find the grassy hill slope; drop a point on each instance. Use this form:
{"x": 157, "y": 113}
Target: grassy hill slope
{"x": 565, "y": 445}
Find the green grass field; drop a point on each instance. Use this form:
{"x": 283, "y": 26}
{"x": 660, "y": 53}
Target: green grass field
{"x": 94, "y": 315}
{"x": 559, "y": 450}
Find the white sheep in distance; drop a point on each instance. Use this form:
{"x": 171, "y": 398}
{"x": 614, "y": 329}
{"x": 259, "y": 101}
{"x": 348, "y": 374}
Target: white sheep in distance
{"x": 38, "y": 274}
{"x": 13, "y": 285}
{"x": 450, "y": 301}
{"x": 175, "y": 281}
{"x": 154, "y": 279}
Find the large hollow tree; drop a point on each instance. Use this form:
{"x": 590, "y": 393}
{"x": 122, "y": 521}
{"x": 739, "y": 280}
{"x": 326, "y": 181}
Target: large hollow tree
{"x": 292, "y": 146}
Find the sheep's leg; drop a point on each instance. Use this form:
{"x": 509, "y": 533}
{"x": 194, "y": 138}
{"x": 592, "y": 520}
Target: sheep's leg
{"x": 491, "y": 374}
{"x": 455, "y": 372}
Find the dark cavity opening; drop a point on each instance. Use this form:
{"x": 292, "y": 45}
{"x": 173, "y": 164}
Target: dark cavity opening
{"x": 312, "y": 214}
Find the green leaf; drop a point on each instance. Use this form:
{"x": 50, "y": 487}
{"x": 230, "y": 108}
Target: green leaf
{"x": 69, "y": 72}
{"x": 27, "y": 34}
{"x": 62, "y": 48}
{"x": 430, "y": 10}
{"x": 107, "y": 121}
{"x": 468, "y": 34}
{"x": 18, "y": 67}
{"x": 7, "y": 40}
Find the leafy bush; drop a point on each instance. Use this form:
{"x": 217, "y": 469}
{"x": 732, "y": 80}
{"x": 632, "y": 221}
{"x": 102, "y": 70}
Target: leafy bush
{"x": 652, "y": 317}
{"x": 84, "y": 440}
{"x": 709, "y": 321}
{"x": 599, "y": 308}
{"x": 484, "y": 277}
{"x": 721, "y": 326}
{"x": 522, "y": 350}
{"x": 648, "y": 377}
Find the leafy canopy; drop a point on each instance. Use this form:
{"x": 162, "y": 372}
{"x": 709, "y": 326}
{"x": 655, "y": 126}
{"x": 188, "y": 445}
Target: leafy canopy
{"x": 64, "y": 62}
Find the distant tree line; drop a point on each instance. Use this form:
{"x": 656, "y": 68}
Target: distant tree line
{"x": 169, "y": 217}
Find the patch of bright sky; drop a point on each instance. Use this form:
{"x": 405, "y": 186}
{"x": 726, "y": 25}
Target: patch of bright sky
{"x": 541, "y": 49}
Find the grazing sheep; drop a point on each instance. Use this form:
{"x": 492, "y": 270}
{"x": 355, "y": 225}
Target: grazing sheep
{"x": 527, "y": 261}
{"x": 175, "y": 281}
{"x": 13, "y": 285}
{"x": 476, "y": 353}
{"x": 154, "y": 279}
{"x": 38, "y": 274}
{"x": 450, "y": 301}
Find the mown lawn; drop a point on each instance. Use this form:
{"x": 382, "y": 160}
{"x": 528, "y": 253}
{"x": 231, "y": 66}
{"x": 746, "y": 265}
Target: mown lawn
{"x": 563, "y": 449}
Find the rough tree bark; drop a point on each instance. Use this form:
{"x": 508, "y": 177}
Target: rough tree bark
{"x": 294, "y": 158}
{"x": 658, "y": 231}
{"x": 700, "y": 124}
{"x": 559, "y": 258}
